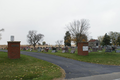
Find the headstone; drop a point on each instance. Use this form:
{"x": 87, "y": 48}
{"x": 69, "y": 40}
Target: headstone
{"x": 24, "y": 49}
{"x": 39, "y": 49}
{"x": 42, "y": 49}
{"x": 94, "y": 49}
{"x": 46, "y": 49}
{"x": 117, "y": 51}
{"x": 63, "y": 51}
{"x": 89, "y": 50}
{"x": 73, "y": 50}
{"x": 108, "y": 49}
{"x": 66, "y": 49}
{"x": 99, "y": 48}
{"x": 30, "y": 49}
{"x": 118, "y": 47}
{"x": 113, "y": 48}
{"x": 58, "y": 48}
{"x": 50, "y": 48}
{"x": 53, "y": 51}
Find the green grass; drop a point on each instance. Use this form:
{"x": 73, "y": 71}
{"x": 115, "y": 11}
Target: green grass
{"x": 103, "y": 57}
{"x": 27, "y": 68}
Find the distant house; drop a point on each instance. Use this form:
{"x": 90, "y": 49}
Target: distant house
{"x": 93, "y": 43}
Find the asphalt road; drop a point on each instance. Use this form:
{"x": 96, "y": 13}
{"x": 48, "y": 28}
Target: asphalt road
{"x": 73, "y": 68}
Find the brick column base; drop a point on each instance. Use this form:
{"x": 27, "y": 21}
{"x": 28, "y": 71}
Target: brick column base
{"x": 13, "y": 49}
{"x": 82, "y": 48}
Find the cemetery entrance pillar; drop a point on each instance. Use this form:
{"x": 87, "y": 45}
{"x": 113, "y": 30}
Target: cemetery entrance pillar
{"x": 83, "y": 48}
{"x": 13, "y": 49}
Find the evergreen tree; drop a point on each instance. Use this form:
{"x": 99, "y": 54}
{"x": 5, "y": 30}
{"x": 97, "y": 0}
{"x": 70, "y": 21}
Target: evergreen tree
{"x": 106, "y": 40}
{"x": 67, "y": 39}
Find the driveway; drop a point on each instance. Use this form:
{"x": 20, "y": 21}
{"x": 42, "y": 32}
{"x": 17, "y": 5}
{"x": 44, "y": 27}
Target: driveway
{"x": 73, "y": 68}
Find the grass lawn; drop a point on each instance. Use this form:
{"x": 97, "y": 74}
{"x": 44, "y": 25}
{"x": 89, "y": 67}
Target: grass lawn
{"x": 27, "y": 68}
{"x": 102, "y": 57}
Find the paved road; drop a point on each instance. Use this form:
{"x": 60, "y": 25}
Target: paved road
{"x": 73, "y": 68}
{"x": 111, "y": 76}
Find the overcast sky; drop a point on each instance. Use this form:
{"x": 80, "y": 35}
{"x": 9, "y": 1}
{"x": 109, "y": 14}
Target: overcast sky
{"x": 50, "y": 17}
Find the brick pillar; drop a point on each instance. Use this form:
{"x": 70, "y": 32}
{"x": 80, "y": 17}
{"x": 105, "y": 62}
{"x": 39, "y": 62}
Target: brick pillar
{"x": 13, "y": 49}
{"x": 83, "y": 48}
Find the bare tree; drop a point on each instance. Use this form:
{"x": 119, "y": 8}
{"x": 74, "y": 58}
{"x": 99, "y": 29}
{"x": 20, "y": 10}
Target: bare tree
{"x": 1, "y": 30}
{"x": 34, "y": 38}
{"x": 78, "y": 28}
{"x": 59, "y": 43}
{"x": 100, "y": 38}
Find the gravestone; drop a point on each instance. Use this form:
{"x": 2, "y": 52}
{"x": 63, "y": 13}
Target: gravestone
{"x": 73, "y": 50}
{"x": 42, "y": 50}
{"x": 108, "y": 49}
{"x": 113, "y": 48}
{"x": 63, "y": 51}
{"x": 66, "y": 50}
{"x": 89, "y": 50}
{"x": 54, "y": 49}
{"x": 99, "y": 48}
{"x": 58, "y": 49}
{"x": 118, "y": 49}
{"x": 39, "y": 49}
{"x": 24, "y": 49}
{"x": 50, "y": 48}
{"x": 30, "y": 49}
{"x": 46, "y": 49}
{"x": 94, "y": 49}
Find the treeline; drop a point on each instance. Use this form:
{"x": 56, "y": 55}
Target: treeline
{"x": 112, "y": 38}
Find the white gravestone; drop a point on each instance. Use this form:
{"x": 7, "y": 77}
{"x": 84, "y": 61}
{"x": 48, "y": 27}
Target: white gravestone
{"x": 63, "y": 51}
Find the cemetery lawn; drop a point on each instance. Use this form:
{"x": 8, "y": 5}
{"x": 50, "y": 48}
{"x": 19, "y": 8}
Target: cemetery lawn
{"x": 27, "y": 68}
{"x": 102, "y": 57}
